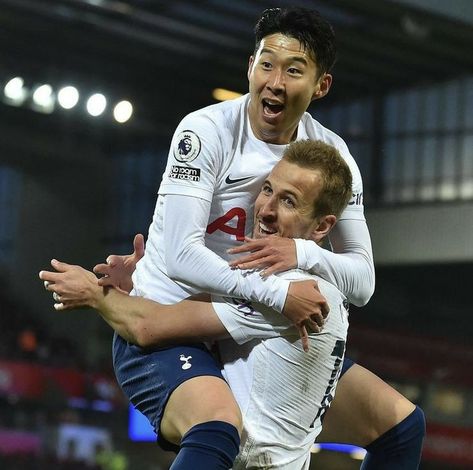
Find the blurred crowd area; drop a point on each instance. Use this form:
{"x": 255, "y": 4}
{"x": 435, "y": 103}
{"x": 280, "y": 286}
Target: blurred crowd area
{"x": 26, "y": 338}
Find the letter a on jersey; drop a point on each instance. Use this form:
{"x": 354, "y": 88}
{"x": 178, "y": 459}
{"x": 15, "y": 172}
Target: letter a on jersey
{"x": 221, "y": 223}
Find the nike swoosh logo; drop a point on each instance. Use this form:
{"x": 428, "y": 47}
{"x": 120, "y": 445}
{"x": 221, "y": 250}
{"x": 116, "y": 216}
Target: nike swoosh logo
{"x": 228, "y": 180}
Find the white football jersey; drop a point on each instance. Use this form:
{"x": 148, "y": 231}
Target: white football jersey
{"x": 215, "y": 156}
{"x": 283, "y": 392}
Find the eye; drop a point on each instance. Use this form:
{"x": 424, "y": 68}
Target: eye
{"x": 266, "y": 65}
{"x": 289, "y": 202}
{"x": 266, "y": 189}
{"x": 294, "y": 71}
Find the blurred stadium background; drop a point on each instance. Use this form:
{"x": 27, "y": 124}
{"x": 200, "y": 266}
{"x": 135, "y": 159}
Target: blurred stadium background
{"x": 79, "y": 175}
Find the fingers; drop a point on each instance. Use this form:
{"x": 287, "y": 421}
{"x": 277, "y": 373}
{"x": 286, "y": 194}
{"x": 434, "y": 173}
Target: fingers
{"x": 251, "y": 245}
{"x": 48, "y": 277}
{"x": 304, "y": 337}
{"x": 106, "y": 282}
{"x": 315, "y": 323}
{"x": 258, "y": 263}
{"x": 324, "y": 308}
{"x": 274, "y": 269}
{"x": 60, "y": 266}
{"x": 139, "y": 246}
{"x": 102, "y": 268}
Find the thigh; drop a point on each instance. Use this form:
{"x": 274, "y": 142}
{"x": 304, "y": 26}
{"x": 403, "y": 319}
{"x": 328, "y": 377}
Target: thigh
{"x": 199, "y": 400}
{"x": 148, "y": 377}
{"x": 364, "y": 408}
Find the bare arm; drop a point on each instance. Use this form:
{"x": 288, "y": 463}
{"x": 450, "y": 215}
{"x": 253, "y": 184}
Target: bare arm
{"x": 139, "y": 321}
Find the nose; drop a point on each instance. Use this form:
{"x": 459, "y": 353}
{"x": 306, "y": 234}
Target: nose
{"x": 276, "y": 81}
{"x": 268, "y": 211}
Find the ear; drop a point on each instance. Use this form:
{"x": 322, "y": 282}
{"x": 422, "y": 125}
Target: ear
{"x": 251, "y": 62}
{"x": 323, "y": 227}
{"x": 323, "y": 86}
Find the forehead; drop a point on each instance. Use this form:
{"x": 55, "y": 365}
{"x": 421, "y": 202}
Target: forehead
{"x": 285, "y": 46}
{"x": 302, "y": 182}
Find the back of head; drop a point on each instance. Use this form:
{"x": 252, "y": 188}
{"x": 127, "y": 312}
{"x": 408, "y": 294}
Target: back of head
{"x": 314, "y": 33}
{"x": 336, "y": 175}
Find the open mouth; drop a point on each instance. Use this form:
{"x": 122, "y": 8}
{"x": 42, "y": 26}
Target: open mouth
{"x": 272, "y": 107}
{"x": 264, "y": 230}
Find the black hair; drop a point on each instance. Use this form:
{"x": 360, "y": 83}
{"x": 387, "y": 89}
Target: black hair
{"x": 307, "y": 26}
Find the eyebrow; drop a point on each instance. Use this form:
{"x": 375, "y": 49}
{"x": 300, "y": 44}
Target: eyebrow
{"x": 286, "y": 191}
{"x": 302, "y": 60}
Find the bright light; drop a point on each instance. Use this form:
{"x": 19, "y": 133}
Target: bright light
{"x": 315, "y": 449}
{"x": 96, "y": 104}
{"x": 123, "y": 111}
{"x": 15, "y": 92}
{"x": 68, "y": 97}
{"x": 43, "y": 98}
{"x": 221, "y": 94}
{"x": 358, "y": 454}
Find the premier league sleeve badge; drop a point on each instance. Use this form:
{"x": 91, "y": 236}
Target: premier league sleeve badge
{"x": 187, "y": 146}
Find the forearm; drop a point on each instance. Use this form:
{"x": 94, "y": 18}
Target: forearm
{"x": 189, "y": 260}
{"x": 149, "y": 324}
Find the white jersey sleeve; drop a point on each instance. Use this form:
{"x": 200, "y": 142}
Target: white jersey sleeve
{"x": 350, "y": 265}
{"x": 246, "y": 321}
{"x": 189, "y": 260}
{"x": 194, "y": 158}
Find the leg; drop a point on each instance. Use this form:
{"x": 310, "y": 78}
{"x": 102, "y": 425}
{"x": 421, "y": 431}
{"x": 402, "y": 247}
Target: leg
{"x": 197, "y": 401}
{"x": 182, "y": 393}
{"x": 369, "y": 413}
{"x": 203, "y": 417}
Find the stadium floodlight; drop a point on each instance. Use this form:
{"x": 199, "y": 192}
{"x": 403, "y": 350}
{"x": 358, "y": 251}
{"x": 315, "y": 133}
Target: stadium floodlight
{"x": 68, "y": 97}
{"x": 43, "y": 98}
{"x": 96, "y": 104}
{"x": 222, "y": 94}
{"x": 15, "y": 91}
{"x": 123, "y": 111}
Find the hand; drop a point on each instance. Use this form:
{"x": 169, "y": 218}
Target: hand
{"x": 306, "y": 308}
{"x": 72, "y": 286}
{"x": 118, "y": 269}
{"x": 272, "y": 254}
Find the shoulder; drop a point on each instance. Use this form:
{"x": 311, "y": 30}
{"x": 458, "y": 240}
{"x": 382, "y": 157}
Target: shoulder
{"x": 219, "y": 116}
{"x": 316, "y": 130}
{"x": 327, "y": 289}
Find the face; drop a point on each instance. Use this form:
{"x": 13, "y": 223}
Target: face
{"x": 285, "y": 205}
{"x": 283, "y": 82}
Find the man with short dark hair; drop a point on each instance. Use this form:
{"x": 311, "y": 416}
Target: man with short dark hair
{"x": 230, "y": 148}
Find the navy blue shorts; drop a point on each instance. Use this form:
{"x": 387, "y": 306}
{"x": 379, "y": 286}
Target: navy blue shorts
{"x": 148, "y": 377}
{"x": 347, "y": 363}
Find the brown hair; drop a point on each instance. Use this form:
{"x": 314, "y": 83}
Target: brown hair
{"x": 334, "y": 171}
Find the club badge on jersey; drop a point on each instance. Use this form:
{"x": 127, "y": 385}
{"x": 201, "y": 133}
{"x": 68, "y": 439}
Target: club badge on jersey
{"x": 187, "y": 146}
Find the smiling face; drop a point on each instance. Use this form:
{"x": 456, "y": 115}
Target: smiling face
{"x": 283, "y": 80}
{"x": 286, "y": 204}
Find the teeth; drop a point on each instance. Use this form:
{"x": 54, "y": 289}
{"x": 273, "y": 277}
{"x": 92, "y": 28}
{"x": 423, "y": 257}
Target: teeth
{"x": 265, "y": 228}
{"x": 273, "y": 103}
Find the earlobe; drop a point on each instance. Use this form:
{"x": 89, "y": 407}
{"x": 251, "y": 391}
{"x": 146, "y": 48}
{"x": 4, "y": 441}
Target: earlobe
{"x": 323, "y": 228}
{"x": 325, "y": 82}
